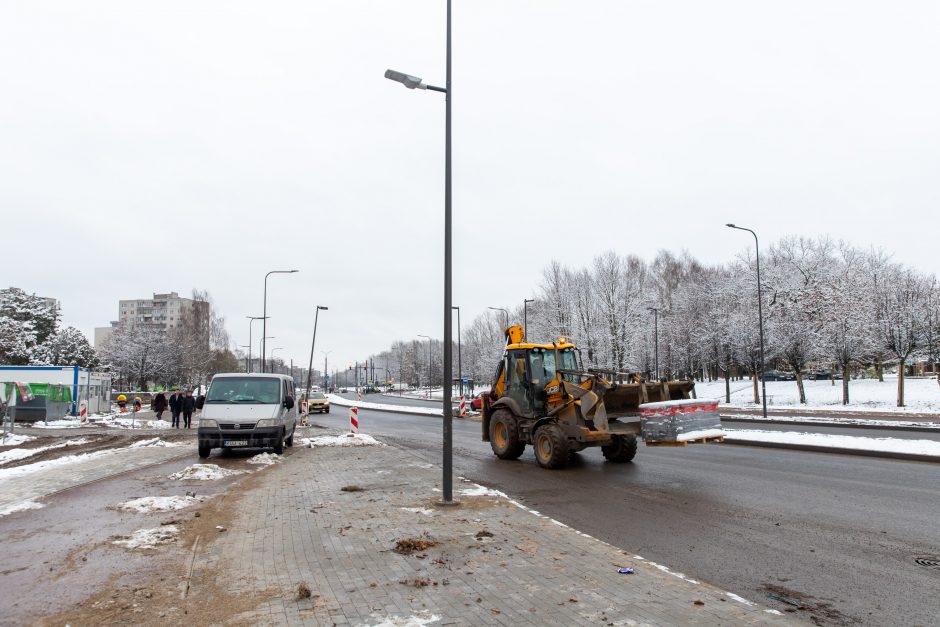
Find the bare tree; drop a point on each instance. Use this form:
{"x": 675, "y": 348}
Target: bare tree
{"x": 902, "y": 318}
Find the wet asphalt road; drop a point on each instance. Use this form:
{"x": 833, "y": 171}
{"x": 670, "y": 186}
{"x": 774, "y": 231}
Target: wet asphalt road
{"x": 840, "y": 532}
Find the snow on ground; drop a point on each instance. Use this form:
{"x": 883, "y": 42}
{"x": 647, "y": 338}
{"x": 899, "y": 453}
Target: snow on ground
{"x": 888, "y": 445}
{"x": 418, "y": 620}
{"x": 841, "y": 421}
{"x": 345, "y": 402}
{"x": 28, "y": 469}
{"x": 15, "y": 439}
{"x": 418, "y": 510}
{"x": 19, "y": 507}
{"x": 149, "y": 538}
{"x": 65, "y": 423}
{"x": 146, "y": 504}
{"x": 265, "y": 459}
{"x": 349, "y": 439}
{"x": 481, "y": 491}
{"x": 22, "y": 453}
{"x": 124, "y": 422}
{"x": 154, "y": 442}
{"x": 920, "y": 395}
{"x": 204, "y": 472}
{"x": 703, "y": 433}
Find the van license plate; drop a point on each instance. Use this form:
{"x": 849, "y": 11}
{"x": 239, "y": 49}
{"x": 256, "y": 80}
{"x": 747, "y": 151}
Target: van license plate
{"x": 235, "y": 443}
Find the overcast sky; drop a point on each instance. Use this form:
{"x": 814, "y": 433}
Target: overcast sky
{"x": 162, "y": 146}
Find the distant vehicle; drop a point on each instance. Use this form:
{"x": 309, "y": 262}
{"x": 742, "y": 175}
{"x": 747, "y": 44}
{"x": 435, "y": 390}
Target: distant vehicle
{"x": 318, "y": 403}
{"x": 476, "y": 402}
{"x": 343, "y": 391}
{"x": 823, "y": 374}
{"x": 247, "y": 411}
{"x": 779, "y": 375}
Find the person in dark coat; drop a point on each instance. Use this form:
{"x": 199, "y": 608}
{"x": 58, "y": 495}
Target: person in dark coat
{"x": 189, "y": 406}
{"x": 176, "y": 408}
{"x": 159, "y": 405}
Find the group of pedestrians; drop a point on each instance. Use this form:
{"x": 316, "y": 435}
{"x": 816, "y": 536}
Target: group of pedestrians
{"x": 180, "y": 404}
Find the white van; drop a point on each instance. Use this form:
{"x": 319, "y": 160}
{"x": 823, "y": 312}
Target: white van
{"x": 247, "y": 410}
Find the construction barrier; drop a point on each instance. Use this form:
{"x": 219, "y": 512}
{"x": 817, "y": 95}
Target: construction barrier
{"x": 463, "y": 405}
{"x": 83, "y": 411}
{"x": 354, "y": 420}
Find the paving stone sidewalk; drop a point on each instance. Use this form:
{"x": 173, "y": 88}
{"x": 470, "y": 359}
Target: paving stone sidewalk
{"x": 494, "y": 562}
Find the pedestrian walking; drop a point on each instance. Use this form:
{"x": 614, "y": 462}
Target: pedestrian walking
{"x": 176, "y": 408}
{"x": 159, "y": 405}
{"x": 189, "y": 406}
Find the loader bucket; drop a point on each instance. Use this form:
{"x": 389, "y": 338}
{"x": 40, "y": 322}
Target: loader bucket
{"x": 624, "y": 399}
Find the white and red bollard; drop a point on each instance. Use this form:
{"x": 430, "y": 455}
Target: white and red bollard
{"x": 83, "y": 412}
{"x": 353, "y": 421}
{"x": 463, "y": 405}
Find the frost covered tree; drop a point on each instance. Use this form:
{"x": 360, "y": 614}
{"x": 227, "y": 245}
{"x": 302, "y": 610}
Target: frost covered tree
{"x": 141, "y": 354}
{"x": 26, "y": 321}
{"x": 66, "y": 347}
{"x": 902, "y": 307}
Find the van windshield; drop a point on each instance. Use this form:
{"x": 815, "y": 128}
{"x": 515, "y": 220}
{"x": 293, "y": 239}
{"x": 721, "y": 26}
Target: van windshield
{"x": 244, "y": 390}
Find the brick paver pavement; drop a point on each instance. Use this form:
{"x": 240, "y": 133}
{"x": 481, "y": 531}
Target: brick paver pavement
{"x": 495, "y": 563}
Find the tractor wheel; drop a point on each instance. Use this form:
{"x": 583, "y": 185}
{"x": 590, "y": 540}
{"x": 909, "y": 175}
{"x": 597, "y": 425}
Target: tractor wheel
{"x": 622, "y": 448}
{"x": 504, "y": 435}
{"x": 551, "y": 447}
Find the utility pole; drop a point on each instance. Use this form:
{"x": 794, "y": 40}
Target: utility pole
{"x": 316, "y": 317}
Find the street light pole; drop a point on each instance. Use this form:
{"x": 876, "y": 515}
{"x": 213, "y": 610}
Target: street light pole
{"x": 251, "y": 321}
{"x": 264, "y": 325}
{"x": 525, "y": 317}
{"x": 261, "y": 357}
{"x": 279, "y": 348}
{"x": 411, "y": 82}
{"x": 505, "y": 312}
{"x": 760, "y": 316}
{"x": 459, "y": 363}
{"x": 655, "y": 311}
{"x": 325, "y": 356}
{"x": 247, "y": 359}
{"x": 316, "y": 317}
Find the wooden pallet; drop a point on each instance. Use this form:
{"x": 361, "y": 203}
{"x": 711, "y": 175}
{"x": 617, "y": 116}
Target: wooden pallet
{"x": 717, "y": 438}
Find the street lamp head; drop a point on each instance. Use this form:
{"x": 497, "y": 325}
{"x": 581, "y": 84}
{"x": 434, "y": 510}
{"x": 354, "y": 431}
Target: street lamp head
{"x": 322, "y": 307}
{"x": 731, "y": 226}
{"x": 411, "y": 82}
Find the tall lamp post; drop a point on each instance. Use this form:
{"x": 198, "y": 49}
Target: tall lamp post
{"x": 459, "y": 364}
{"x": 279, "y": 348}
{"x": 248, "y": 358}
{"x": 316, "y": 317}
{"x": 429, "y": 365}
{"x": 261, "y": 356}
{"x": 760, "y": 316}
{"x": 525, "y": 316}
{"x": 411, "y": 83}
{"x": 655, "y": 311}
{"x": 504, "y": 311}
{"x": 325, "y": 356}
{"x": 251, "y": 321}
{"x": 264, "y": 325}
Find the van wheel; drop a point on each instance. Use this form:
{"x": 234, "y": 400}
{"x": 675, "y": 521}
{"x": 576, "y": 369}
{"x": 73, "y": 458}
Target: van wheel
{"x": 204, "y": 450}
{"x": 551, "y": 447}
{"x": 279, "y": 447}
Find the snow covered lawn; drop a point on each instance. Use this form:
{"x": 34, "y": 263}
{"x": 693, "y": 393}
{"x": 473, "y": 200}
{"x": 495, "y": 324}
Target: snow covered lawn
{"x": 15, "y": 439}
{"x": 886, "y": 445}
{"x": 920, "y": 395}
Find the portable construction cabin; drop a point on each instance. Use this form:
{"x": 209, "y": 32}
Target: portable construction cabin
{"x": 57, "y": 390}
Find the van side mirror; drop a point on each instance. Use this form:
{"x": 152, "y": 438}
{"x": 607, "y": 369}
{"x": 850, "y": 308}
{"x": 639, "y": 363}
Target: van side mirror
{"x": 288, "y": 402}
{"x": 200, "y": 402}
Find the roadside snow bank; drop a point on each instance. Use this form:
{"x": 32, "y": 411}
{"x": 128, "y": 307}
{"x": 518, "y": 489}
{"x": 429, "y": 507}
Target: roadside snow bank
{"x": 19, "y": 507}
{"x": 147, "y": 504}
{"x": 65, "y": 423}
{"x": 154, "y": 442}
{"x": 418, "y": 620}
{"x": 883, "y": 445}
{"x": 15, "y": 439}
{"x": 22, "y": 453}
{"x": 265, "y": 459}
{"x": 350, "y": 439}
{"x": 149, "y": 538}
{"x": 401, "y": 409}
{"x": 204, "y": 472}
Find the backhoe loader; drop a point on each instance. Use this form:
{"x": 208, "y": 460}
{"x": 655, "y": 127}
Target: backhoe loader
{"x": 543, "y": 396}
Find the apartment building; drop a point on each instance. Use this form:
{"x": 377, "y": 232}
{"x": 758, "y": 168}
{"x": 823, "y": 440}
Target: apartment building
{"x": 165, "y": 311}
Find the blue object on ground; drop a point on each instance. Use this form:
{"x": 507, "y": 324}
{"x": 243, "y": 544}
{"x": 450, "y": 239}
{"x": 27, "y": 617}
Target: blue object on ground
{"x": 625, "y": 571}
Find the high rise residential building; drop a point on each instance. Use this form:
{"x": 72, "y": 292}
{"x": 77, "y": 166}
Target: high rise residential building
{"x": 164, "y": 311}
